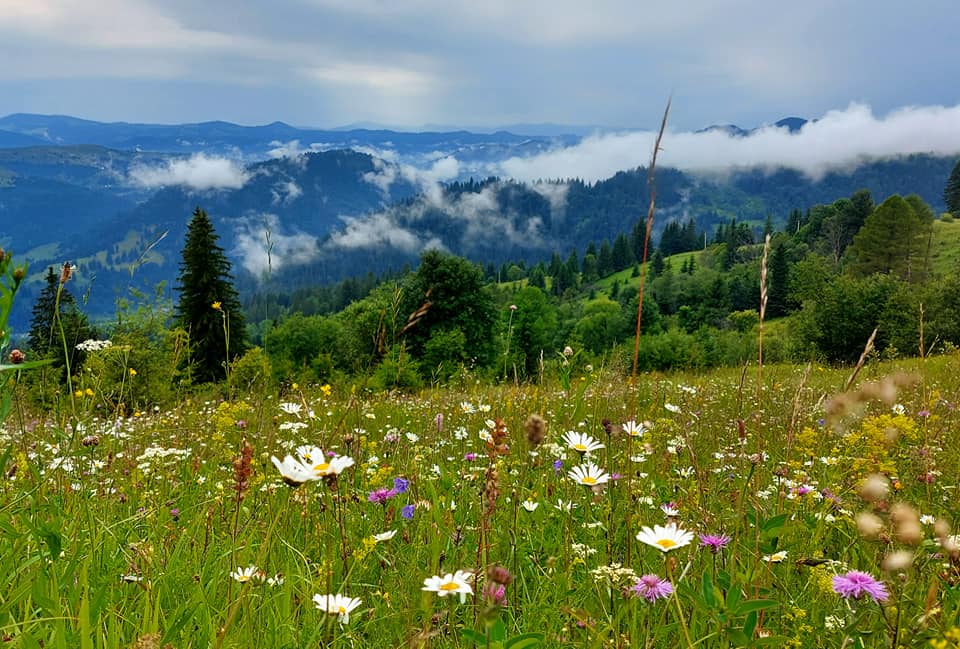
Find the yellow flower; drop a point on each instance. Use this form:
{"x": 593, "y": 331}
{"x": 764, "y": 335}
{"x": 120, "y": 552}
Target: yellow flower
{"x": 216, "y": 306}
{"x": 88, "y": 392}
{"x": 326, "y": 389}
{"x": 133, "y": 372}
{"x": 78, "y": 393}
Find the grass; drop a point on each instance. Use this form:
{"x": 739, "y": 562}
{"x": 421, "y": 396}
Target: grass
{"x": 126, "y": 531}
{"x": 945, "y": 247}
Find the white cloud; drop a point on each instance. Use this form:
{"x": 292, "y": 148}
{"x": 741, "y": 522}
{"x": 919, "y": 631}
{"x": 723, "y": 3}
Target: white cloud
{"x": 292, "y": 149}
{"x": 199, "y": 172}
{"x": 263, "y": 248}
{"x": 285, "y": 192}
{"x": 840, "y": 140}
{"x": 376, "y": 231}
{"x": 428, "y": 180}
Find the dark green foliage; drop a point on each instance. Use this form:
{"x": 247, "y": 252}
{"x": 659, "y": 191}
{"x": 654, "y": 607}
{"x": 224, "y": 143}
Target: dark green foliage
{"x": 305, "y": 348}
{"x": 891, "y": 241}
{"x": 839, "y": 320}
{"x": 538, "y": 277}
{"x": 209, "y": 307}
{"x": 622, "y": 254}
{"x": 656, "y": 264}
{"x": 678, "y": 238}
{"x": 589, "y": 268}
{"x": 46, "y": 340}
{"x": 951, "y": 191}
{"x": 448, "y": 293}
{"x": 533, "y": 329}
{"x": 778, "y": 282}
{"x": 601, "y": 326}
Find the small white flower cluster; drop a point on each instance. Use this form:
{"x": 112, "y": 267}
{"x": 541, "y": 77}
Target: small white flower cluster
{"x": 156, "y": 455}
{"x": 582, "y": 550}
{"x": 91, "y": 345}
{"x": 614, "y": 574}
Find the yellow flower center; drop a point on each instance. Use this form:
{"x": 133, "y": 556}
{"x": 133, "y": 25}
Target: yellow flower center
{"x": 243, "y": 579}
{"x": 342, "y": 610}
{"x": 322, "y": 468}
{"x": 579, "y": 447}
{"x": 450, "y": 585}
{"x": 666, "y": 544}
{"x": 588, "y": 479}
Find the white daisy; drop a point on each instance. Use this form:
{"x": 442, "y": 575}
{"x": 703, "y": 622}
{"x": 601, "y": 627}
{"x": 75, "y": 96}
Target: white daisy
{"x": 450, "y": 584}
{"x": 248, "y": 574}
{"x": 338, "y": 605}
{"x": 633, "y": 429}
{"x": 581, "y": 442}
{"x": 665, "y": 537}
{"x": 384, "y": 536}
{"x": 293, "y": 472}
{"x": 588, "y": 474}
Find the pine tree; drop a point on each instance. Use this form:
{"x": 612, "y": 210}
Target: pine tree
{"x": 779, "y": 283}
{"x": 45, "y": 340}
{"x": 951, "y": 192}
{"x": 889, "y": 242}
{"x": 209, "y": 307}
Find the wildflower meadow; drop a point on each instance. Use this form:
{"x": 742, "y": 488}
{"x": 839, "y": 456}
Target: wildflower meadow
{"x": 715, "y": 510}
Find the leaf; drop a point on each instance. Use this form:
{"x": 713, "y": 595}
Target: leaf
{"x": 524, "y": 640}
{"x": 773, "y": 524}
{"x": 29, "y": 365}
{"x": 473, "y": 636}
{"x": 497, "y": 631}
{"x": 750, "y": 624}
{"x": 755, "y": 605}
{"x": 707, "y": 590}
{"x": 738, "y": 637}
{"x": 53, "y": 541}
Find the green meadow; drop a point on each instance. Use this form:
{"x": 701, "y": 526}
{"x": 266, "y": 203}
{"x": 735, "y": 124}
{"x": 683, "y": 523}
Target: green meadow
{"x": 759, "y": 491}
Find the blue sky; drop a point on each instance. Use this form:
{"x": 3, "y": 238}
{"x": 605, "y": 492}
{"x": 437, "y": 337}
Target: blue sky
{"x": 482, "y": 63}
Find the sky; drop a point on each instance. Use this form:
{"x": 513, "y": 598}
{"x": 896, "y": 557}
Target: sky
{"x": 478, "y": 63}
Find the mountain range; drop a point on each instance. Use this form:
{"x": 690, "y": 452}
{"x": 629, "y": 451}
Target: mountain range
{"x": 295, "y": 206}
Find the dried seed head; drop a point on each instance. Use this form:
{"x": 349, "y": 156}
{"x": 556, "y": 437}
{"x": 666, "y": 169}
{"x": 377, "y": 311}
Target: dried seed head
{"x": 910, "y": 532}
{"x": 897, "y": 561}
{"x": 870, "y": 525}
{"x": 536, "y": 429}
{"x": 875, "y": 487}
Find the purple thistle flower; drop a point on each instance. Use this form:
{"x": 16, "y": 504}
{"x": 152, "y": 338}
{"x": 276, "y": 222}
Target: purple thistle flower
{"x": 407, "y": 512}
{"x": 470, "y": 457}
{"x": 380, "y": 496}
{"x": 400, "y": 485}
{"x": 715, "y": 542}
{"x": 652, "y": 588}
{"x": 855, "y": 584}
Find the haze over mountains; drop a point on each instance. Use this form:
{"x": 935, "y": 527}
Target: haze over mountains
{"x": 307, "y": 205}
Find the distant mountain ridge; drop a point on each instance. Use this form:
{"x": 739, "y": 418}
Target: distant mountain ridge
{"x": 291, "y": 217}
{"x": 225, "y": 137}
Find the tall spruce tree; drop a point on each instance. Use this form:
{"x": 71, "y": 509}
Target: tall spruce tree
{"x": 209, "y": 307}
{"x": 951, "y": 192}
{"x": 45, "y": 339}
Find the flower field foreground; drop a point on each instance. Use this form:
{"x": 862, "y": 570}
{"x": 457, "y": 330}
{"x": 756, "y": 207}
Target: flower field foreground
{"x": 689, "y": 511}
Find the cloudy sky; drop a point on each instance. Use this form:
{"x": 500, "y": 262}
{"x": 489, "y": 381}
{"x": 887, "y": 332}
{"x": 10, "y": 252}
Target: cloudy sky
{"x": 409, "y": 63}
